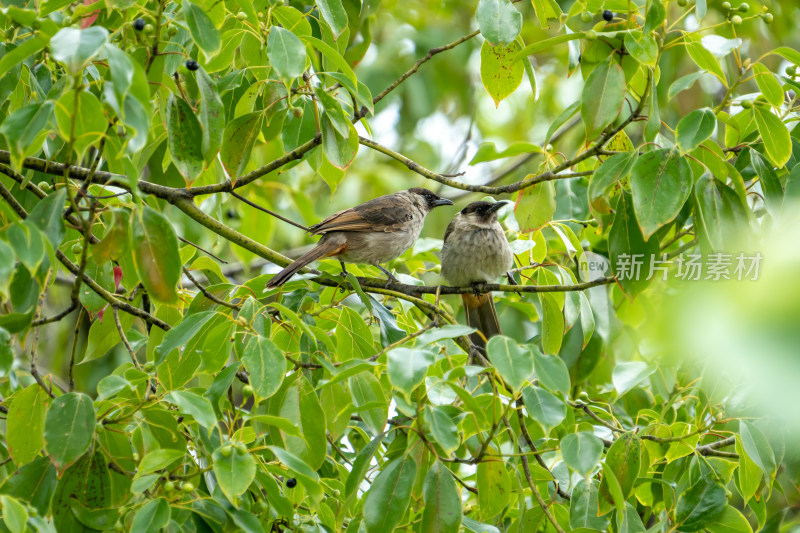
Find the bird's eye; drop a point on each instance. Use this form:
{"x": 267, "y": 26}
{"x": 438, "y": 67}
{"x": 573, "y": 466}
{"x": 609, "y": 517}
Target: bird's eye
{"x": 429, "y": 197}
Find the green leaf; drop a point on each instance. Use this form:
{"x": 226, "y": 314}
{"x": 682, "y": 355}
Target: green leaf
{"x": 69, "y": 428}
{"x": 499, "y": 21}
{"x": 47, "y": 216}
{"x": 494, "y": 479}
{"x": 339, "y": 150}
{"x": 610, "y": 171}
{"x": 661, "y": 182}
{"x": 15, "y": 57}
{"x": 581, "y": 451}
{"x": 370, "y": 400}
{"x": 770, "y": 184}
{"x": 546, "y": 10}
{"x": 201, "y": 28}
{"x": 388, "y": 497}
{"x": 15, "y": 515}
{"x": 623, "y": 460}
{"x": 155, "y": 253}
{"x": 74, "y": 48}
{"x": 548, "y": 410}
{"x": 334, "y": 14}
{"x": 777, "y": 141}
{"x": 361, "y": 465}
{"x": 488, "y": 152}
{"x": 336, "y": 58}
{"x": 26, "y": 128}
{"x": 158, "y": 459}
{"x": 212, "y": 116}
{"x": 100, "y": 519}
{"x": 627, "y": 375}
{"x": 703, "y": 58}
{"x": 234, "y": 473}
{"x": 185, "y": 138}
{"x": 34, "y": 483}
{"x": 152, "y": 516}
{"x": 695, "y": 128}
{"x": 788, "y": 53}
{"x": 729, "y": 521}
{"x": 301, "y": 406}
{"x": 122, "y": 69}
{"x": 89, "y": 482}
{"x": 583, "y": 505}
{"x": 266, "y": 365}
{"x": 770, "y": 87}
{"x": 553, "y": 323}
{"x": 115, "y": 244}
{"x": 441, "y": 427}
{"x": 442, "y": 509}
{"x": 238, "y": 141}
{"x": 103, "y": 335}
{"x": 626, "y": 244}
{"x": 86, "y": 125}
{"x": 25, "y": 423}
{"x": 28, "y": 244}
{"x": 758, "y": 448}
{"x": 195, "y": 405}
{"x": 407, "y": 367}
{"x": 500, "y": 73}
{"x": 643, "y": 47}
{"x": 683, "y": 83}
{"x": 718, "y": 213}
{"x": 514, "y": 363}
{"x": 6, "y": 352}
{"x": 286, "y": 52}
{"x": 700, "y": 504}
{"x": 535, "y": 206}
{"x": 302, "y": 471}
{"x": 656, "y": 13}
{"x": 603, "y": 94}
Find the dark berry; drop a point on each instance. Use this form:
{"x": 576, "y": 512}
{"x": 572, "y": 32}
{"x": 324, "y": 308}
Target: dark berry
{"x": 608, "y": 15}
{"x": 191, "y": 64}
{"x": 291, "y": 482}
{"x": 138, "y": 24}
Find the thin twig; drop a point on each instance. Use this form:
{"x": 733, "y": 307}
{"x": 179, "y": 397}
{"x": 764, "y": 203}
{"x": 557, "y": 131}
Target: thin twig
{"x": 532, "y": 485}
{"x": 272, "y": 213}
{"x": 74, "y": 346}
{"x": 190, "y": 243}
{"x": 529, "y": 441}
{"x": 432, "y": 52}
{"x": 207, "y": 294}
{"x": 124, "y": 338}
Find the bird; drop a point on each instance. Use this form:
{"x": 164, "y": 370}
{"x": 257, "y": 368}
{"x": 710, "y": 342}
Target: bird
{"x": 374, "y": 232}
{"x": 475, "y": 251}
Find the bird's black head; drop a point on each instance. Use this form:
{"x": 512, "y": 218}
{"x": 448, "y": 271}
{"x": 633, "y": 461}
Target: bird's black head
{"x": 484, "y": 210}
{"x": 429, "y": 198}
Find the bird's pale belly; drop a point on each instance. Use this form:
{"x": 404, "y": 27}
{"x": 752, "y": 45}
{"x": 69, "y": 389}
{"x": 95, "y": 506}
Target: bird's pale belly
{"x": 477, "y": 256}
{"x": 375, "y": 248}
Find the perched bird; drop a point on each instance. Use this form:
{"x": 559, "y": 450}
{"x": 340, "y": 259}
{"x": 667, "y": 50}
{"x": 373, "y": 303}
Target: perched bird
{"x": 476, "y": 251}
{"x": 374, "y": 232}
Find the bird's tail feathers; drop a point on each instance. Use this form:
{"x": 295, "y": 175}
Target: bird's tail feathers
{"x": 322, "y": 249}
{"x": 482, "y": 316}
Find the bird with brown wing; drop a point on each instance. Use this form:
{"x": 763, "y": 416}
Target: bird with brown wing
{"x": 476, "y": 251}
{"x": 374, "y": 232}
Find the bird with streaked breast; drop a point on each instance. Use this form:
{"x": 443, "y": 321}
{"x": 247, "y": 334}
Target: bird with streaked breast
{"x": 476, "y": 251}
{"x": 374, "y": 232}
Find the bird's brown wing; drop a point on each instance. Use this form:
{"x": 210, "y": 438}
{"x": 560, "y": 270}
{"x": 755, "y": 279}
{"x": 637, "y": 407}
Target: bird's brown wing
{"x": 385, "y": 213}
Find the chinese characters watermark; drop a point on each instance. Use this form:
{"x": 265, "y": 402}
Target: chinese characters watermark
{"x": 689, "y": 267}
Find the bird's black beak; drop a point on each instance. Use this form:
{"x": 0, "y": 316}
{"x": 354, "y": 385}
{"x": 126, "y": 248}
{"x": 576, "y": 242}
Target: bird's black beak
{"x": 497, "y": 205}
{"x": 442, "y": 201}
